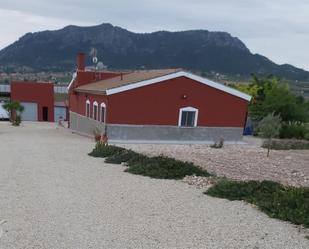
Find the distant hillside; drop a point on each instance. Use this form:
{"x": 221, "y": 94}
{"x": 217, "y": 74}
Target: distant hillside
{"x": 198, "y": 50}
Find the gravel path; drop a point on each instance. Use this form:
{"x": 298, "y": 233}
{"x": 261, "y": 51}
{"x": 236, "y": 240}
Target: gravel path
{"x": 240, "y": 162}
{"x": 55, "y": 196}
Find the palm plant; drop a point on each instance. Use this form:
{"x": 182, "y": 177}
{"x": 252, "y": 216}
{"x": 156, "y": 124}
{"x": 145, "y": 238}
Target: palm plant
{"x": 14, "y": 108}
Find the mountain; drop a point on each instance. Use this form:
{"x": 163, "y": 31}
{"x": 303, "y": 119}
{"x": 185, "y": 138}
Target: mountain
{"x": 197, "y": 50}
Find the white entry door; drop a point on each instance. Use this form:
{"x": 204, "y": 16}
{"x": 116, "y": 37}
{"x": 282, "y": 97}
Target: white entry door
{"x": 31, "y": 111}
{"x": 60, "y": 112}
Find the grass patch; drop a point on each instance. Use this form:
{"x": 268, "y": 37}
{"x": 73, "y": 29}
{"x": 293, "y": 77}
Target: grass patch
{"x": 139, "y": 164}
{"x": 287, "y": 144}
{"x": 277, "y": 201}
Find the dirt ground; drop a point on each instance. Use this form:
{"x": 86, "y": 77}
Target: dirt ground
{"x": 239, "y": 161}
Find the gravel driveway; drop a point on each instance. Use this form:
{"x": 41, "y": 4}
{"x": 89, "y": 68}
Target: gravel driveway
{"x": 55, "y": 196}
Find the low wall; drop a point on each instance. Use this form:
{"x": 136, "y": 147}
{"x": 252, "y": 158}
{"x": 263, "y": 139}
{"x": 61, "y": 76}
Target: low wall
{"x": 162, "y": 133}
{"x": 84, "y": 125}
{"x": 155, "y": 133}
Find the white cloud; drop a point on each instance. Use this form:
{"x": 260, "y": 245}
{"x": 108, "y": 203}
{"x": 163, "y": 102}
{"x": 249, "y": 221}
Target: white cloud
{"x": 14, "y": 24}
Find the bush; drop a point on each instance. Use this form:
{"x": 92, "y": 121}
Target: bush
{"x": 103, "y": 150}
{"x": 233, "y": 190}
{"x": 296, "y": 130}
{"x": 277, "y": 201}
{"x": 165, "y": 168}
{"x": 156, "y": 167}
{"x": 126, "y": 156}
{"x": 218, "y": 144}
{"x": 287, "y": 144}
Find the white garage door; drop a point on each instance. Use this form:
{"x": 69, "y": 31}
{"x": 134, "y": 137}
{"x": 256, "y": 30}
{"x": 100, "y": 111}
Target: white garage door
{"x": 31, "y": 111}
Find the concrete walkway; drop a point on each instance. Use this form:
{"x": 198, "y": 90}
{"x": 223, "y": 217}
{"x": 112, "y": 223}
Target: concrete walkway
{"x": 53, "y": 195}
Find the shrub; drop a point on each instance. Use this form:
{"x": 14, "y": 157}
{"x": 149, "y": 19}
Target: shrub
{"x": 156, "y": 167}
{"x": 126, "y": 156}
{"x": 103, "y": 150}
{"x": 296, "y": 130}
{"x": 277, "y": 201}
{"x": 287, "y": 144}
{"x": 165, "y": 168}
{"x": 218, "y": 144}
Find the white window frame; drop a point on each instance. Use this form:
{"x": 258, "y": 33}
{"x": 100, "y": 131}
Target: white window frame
{"x": 95, "y": 104}
{"x": 103, "y": 114}
{"x": 188, "y": 109}
{"x": 86, "y": 112}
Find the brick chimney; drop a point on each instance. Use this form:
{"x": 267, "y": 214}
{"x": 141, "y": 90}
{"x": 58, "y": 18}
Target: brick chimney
{"x": 81, "y": 62}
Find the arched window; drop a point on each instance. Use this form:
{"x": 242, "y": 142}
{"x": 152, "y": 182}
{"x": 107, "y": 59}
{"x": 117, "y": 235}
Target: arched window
{"x": 188, "y": 117}
{"x": 95, "y": 112}
{"x": 103, "y": 112}
{"x": 88, "y": 108}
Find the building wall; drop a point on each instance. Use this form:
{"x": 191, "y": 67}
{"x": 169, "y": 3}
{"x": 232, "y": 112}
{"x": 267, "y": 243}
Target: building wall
{"x": 40, "y": 93}
{"x": 159, "y": 104}
{"x": 87, "y": 77}
{"x": 77, "y": 102}
{"x": 151, "y": 113}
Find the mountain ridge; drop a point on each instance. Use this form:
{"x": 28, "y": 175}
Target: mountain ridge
{"x": 195, "y": 50}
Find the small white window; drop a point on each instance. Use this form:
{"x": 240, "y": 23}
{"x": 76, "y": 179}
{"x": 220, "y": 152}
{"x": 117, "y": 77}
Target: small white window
{"x": 103, "y": 112}
{"x": 95, "y": 112}
{"x": 188, "y": 117}
{"x": 88, "y": 108}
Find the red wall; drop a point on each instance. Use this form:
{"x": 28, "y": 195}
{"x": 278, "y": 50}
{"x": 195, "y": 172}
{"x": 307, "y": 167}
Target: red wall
{"x": 40, "y": 93}
{"x": 87, "y": 77}
{"x": 78, "y": 102}
{"x": 159, "y": 104}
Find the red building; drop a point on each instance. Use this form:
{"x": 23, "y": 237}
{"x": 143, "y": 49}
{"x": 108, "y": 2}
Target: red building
{"x": 37, "y": 98}
{"x": 157, "y": 105}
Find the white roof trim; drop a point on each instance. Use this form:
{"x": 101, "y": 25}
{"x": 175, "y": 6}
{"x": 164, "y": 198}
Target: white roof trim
{"x": 176, "y": 75}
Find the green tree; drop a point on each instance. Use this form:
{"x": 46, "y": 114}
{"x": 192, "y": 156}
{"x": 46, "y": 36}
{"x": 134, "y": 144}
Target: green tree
{"x": 249, "y": 89}
{"x": 275, "y": 96}
{"x": 14, "y": 109}
{"x": 269, "y": 128}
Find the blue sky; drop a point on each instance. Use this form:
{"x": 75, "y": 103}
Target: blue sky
{"x": 278, "y": 29}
